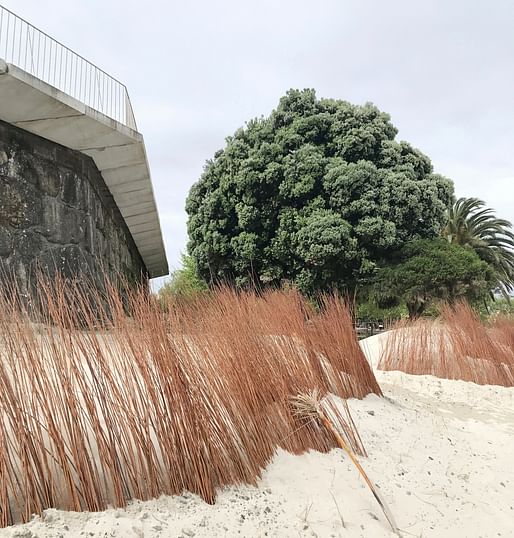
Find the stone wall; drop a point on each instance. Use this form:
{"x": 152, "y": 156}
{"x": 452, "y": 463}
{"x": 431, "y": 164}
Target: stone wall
{"x": 56, "y": 213}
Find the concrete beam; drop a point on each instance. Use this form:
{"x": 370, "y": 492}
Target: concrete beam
{"x": 125, "y": 155}
{"x": 139, "y": 219}
{"x": 137, "y": 210}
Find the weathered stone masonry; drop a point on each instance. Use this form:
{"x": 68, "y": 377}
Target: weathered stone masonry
{"x": 57, "y": 213}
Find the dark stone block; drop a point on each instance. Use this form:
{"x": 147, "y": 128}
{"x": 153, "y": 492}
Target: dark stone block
{"x": 50, "y": 181}
{"x": 12, "y": 210}
{"x": 69, "y": 158}
{"x": 72, "y": 223}
{"x": 27, "y": 168}
{"x": 44, "y": 150}
{"x": 5, "y": 164}
{"x": 69, "y": 261}
{"x": 26, "y": 244}
{"x": 70, "y": 189}
{"x": 20, "y": 203}
{"x": 5, "y": 242}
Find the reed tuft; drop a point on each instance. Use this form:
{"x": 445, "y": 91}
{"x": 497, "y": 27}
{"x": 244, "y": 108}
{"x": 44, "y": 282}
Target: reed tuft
{"x": 458, "y": 345}
{"x": 106, "y": 396}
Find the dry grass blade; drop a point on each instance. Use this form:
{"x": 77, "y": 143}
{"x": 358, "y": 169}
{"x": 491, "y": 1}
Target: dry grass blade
{"x": 311, "y": 405}
{"x": 110, "y": 397}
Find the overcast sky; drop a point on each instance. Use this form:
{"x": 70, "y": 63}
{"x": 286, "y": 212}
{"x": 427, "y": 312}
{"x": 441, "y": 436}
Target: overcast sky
{"x": 197, "y": 70}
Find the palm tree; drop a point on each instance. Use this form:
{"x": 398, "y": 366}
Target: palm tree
{"x": 472, "y": 224}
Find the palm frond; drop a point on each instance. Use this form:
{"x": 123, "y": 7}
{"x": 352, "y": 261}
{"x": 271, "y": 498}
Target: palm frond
{"x": 470, "y": 223}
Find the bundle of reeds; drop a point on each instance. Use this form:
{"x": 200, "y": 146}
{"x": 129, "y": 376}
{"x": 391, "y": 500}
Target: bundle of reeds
{"x": 457, "y": 345}
{"x": 108, "y": 397}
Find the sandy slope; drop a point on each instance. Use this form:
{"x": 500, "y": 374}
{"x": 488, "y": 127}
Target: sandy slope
{"x": 440, "y": 451}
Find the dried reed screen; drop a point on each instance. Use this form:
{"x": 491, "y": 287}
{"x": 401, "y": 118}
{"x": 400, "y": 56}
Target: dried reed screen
{"x": 99, "y": 407}
{"x": 458, "y": 345}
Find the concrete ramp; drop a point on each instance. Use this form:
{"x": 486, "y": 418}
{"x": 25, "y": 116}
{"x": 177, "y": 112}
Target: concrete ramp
{"x": 117, "y": 150}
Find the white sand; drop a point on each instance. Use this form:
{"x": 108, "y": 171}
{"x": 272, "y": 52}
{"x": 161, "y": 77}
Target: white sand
{"x": 440, "y": 451}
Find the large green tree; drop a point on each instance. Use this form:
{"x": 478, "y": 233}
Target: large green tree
{"x": 426, "y": 270}
{"x": 471, "y": 223}
{"x": 316, "y": 194}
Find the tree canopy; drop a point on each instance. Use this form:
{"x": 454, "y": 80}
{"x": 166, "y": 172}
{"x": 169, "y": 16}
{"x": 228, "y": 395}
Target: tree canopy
{"x": 433, "y": 269}
{"x": 317, "y": 194}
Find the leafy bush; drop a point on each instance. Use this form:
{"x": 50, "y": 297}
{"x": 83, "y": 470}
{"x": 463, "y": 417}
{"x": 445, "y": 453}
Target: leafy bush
{"x": 433, "y": 269}
{"x": 371, "y": 311}
{"x": 184, "y": 282}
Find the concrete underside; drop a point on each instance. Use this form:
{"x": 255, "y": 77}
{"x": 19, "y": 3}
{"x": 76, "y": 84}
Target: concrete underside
{"x": 118, "y": 152}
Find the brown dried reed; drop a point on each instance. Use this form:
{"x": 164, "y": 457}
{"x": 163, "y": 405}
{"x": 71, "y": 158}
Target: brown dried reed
{"x": 457, "y": 345}
{"x": 109, "y": 397}
{"x": 502, "y": 330}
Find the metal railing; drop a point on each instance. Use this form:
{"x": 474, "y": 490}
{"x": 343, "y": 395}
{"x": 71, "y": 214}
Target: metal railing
{"x": 30, "y": 49}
